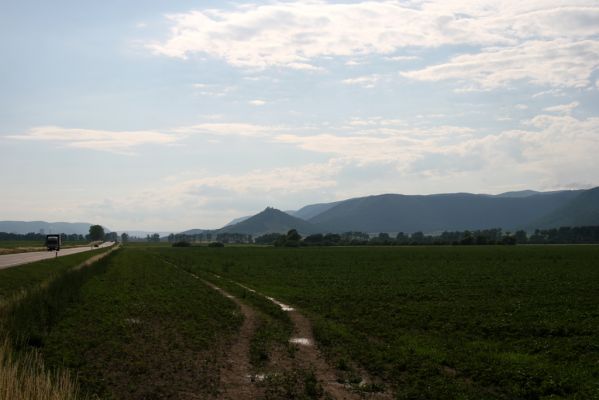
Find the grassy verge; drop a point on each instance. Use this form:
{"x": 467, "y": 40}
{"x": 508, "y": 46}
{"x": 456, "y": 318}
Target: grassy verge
{"x": 442, "y": 322}
{"x": 143, "y": 329}
{"x": 23, "y": 277}
{"x": 24, "y": 377}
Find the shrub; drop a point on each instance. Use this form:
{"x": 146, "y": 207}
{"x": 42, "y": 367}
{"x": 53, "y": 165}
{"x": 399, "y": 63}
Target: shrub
{"x": 216, "y": 244}
{"x": 181, "y": 243}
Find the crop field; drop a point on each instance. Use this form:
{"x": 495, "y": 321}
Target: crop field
{"x": 497, "y": 322}
{"x": 515, "y": 322}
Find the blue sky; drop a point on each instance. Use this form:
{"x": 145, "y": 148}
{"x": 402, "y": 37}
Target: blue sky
{"x": 168, "y": 115}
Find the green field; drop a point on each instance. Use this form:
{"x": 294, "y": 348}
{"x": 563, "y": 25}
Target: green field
{"x": 439, "y": 322}
{"x": 497, "y": 322}
{"x": 23, "y": 277}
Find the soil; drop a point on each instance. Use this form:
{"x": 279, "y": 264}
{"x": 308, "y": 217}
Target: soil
{"x": 236, "y": 381}
{"x": 235, "y": 374}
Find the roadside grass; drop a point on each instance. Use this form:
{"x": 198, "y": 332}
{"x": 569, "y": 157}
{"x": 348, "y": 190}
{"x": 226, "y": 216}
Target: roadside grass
{"x": 15, "y": 280}
{"x": 37, "y": 294}
{"x": 24, "y": 377}
{"x": 143, "y": 329}
{"x": 439, "y": 322}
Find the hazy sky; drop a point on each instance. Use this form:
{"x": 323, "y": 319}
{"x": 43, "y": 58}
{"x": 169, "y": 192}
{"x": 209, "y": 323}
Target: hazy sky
{"x": 170, "y": 115}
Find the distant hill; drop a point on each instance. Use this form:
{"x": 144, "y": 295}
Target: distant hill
{"x": 580, "y": 211}
{"x": 434, "y": 213}
{"x": 23, "y": 227}
{"x": 312, "y": 210}
{"x": 270, "y": 220}
{"x": 194, "y": 231}
{"x": 238, "y": 220}
{"x": 519, "y": 194}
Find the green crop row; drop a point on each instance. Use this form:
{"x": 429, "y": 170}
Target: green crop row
{"x": 440, "y": 322}
{"x": 143, "y": 329}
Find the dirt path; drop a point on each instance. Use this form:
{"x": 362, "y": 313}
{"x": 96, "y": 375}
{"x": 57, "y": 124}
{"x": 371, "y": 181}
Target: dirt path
{"x": 235, "y": 376}
{"x": 236, "y": 382}
{"x": 310, "y": 357}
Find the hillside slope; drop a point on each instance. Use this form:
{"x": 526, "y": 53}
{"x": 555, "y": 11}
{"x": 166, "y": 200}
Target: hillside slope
{"x": 434, "y": 213}
{"x": 270, "y": 220}
{"x": 583, "y": 210}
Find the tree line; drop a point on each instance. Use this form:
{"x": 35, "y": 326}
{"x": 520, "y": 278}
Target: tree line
{"x": 96, "y": 233}
{"x": 496, "y": 236}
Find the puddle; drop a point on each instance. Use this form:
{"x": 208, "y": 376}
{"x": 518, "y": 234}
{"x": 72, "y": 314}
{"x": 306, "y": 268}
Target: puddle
{"x": 283, "y": 306}
{"x": 247, "y": 288}
{"x": 256, "y": 377}
{"x": 302, "y": 341}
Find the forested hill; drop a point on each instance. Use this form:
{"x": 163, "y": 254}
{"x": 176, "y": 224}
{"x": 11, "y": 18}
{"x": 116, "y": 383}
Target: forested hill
{"x": 580, "y": 211}
{"x": 436, "y": 213}
{"x": 269, "y": 221}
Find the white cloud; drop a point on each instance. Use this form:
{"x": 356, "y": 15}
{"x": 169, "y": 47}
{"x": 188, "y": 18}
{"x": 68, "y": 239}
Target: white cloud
{"x": 229, "y": 129}
{"x": 257, "y": 102}
{"x": 368, "y": 81}
{"x": 112, "y": 141}
{"x": 207, "y": 89}
{"x": 291, "y": 34}
{"x": 285, "y": 179}
{"x": 403, "y": 58}
{"x": 557, "y": 63}
{"x": 563, "y": 108}
{"x": 521, "y": 106}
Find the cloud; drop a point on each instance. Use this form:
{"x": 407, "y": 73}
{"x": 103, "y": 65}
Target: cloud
{"x": 207, "y": 89}
{"x": 295, "y": 33}
{"x": 112, "y": 141}
{"x": 368, "y": 81}
{"x": 563, "y": 108}
{"x": 229, "y": 129}
{"x": 557, "y": 63}
{"x": 256, "y": 102}
{"x": 285, "y": 179}
{"x": 403, "y": 58}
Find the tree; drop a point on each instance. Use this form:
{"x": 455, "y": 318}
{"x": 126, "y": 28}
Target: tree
{"x": 96, "y": 232}
{"x": 124, "y": 237}
{"x": 293, "y": 238}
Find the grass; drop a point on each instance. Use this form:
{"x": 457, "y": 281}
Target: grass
{"x": 439, "y": 322}
{"x": 17, "y": 279}
{"x": 25, "y": 378}
{"x": 143, "y": 329}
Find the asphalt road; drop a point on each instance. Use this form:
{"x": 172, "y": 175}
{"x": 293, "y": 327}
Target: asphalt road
{"x": 11, "y": 260}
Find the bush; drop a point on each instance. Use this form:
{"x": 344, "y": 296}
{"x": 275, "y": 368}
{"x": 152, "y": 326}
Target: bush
{"x": 181, "y": 243}
{"x": 216, "y": 244}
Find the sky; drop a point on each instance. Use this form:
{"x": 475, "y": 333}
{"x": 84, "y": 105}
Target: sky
{"x": 171, "y": 115}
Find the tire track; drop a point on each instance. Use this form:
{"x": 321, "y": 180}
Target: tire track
{"x": 235, "y": 376}
{"x": 310, "y": 357}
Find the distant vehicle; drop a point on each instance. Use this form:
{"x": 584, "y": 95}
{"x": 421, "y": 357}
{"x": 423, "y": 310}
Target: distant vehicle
{"x": 53, "y": 242}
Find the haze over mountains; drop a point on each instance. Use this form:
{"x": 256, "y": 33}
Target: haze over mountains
{"x": 432, "y": 213}
{"x": 24, "y": 227}
{"x": 526, "y": 210}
